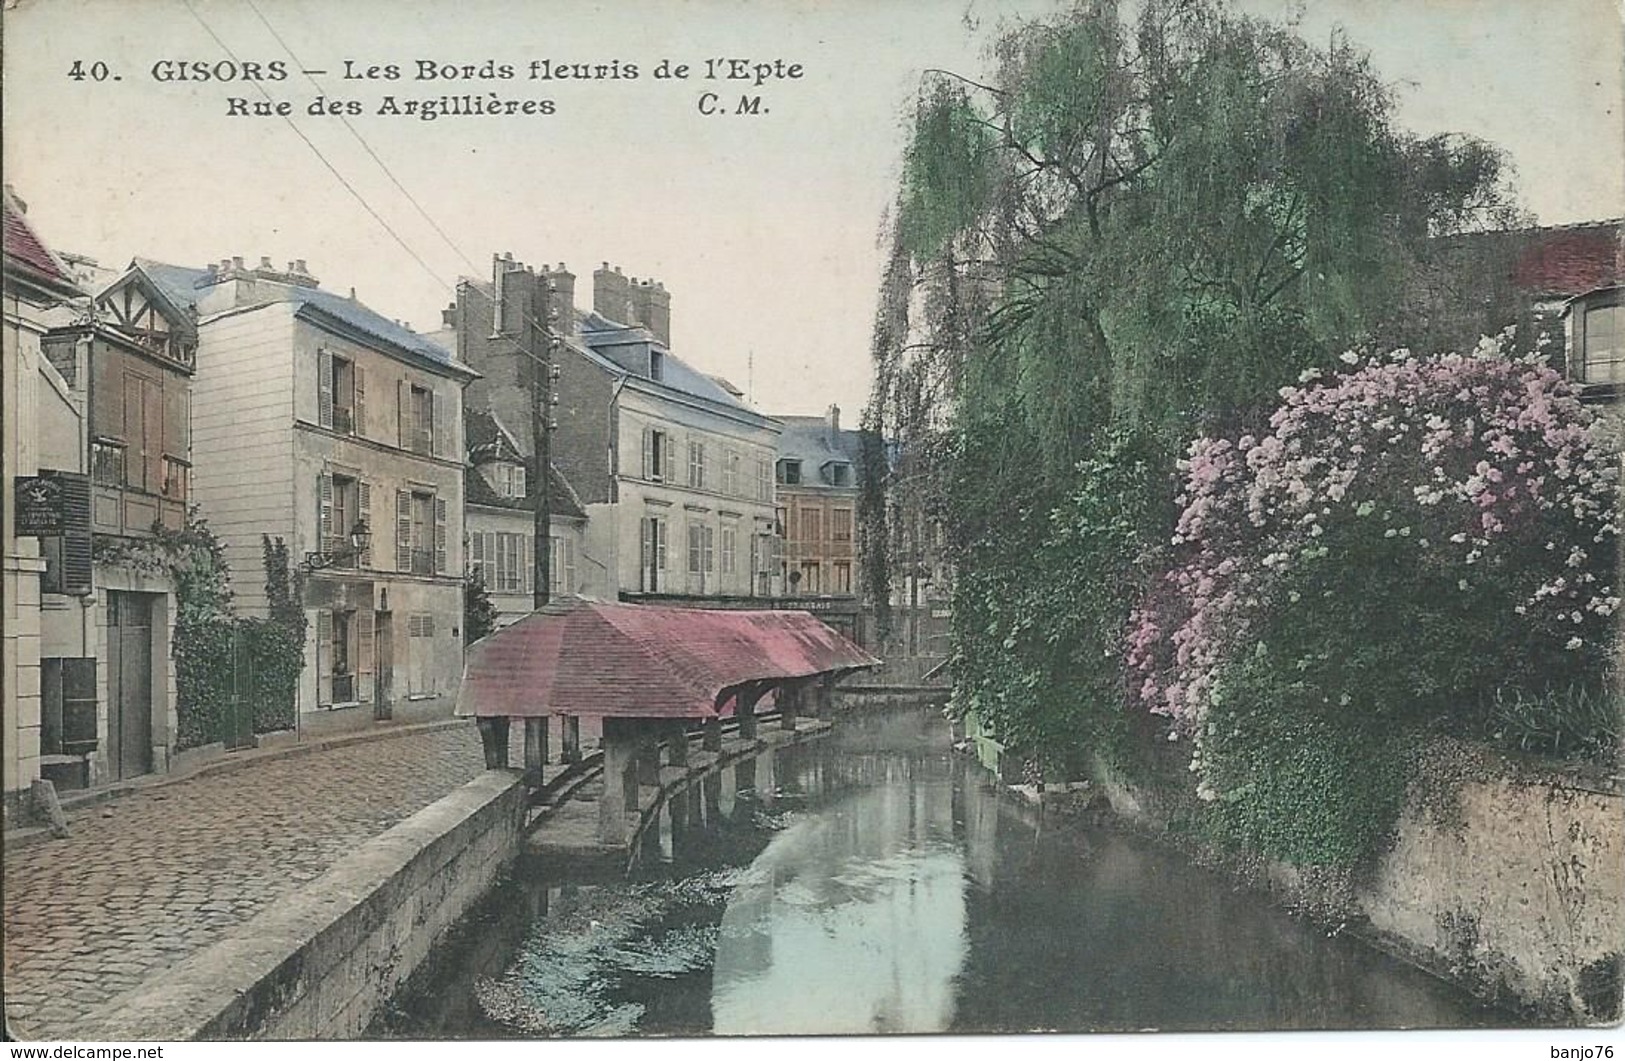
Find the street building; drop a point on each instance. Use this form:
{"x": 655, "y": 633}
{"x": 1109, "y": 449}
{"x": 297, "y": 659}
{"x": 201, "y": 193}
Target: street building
{"x": 816, "y": 492}
{"x": 339, "y": 431}
{"x": 672, "y": 468}
{"x": 44, "y": 528}
{"x": 500, "y": 496}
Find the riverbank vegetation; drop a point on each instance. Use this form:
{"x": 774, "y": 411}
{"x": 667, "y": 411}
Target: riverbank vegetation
{"x": 1113, "y": 362}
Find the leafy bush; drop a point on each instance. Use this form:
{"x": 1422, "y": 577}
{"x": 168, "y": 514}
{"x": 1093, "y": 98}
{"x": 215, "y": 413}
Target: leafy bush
{"x": 1410, "y": 537}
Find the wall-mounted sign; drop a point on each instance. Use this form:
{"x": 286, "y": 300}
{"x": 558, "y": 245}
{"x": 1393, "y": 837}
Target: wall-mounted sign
{"x": 52, "y": 503}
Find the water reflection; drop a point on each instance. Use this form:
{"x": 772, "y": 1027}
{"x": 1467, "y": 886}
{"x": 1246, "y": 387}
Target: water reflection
{"x": 874, "y": 883}
{"x": 851, "y": 921}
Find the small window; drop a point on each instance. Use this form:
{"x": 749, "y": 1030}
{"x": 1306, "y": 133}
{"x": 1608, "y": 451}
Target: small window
{"x": 840, "y": 473}
{"x": 840, "y": 524}
{"x": 107, "y": 462}
{"x": 790, "y": 472}
{"x": 177, "y": 479}
{"x": 657, "y": 365}
{"x": 1603, "y": 358}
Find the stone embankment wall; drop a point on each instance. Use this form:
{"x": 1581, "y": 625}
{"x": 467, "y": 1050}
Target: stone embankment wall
{"x": 1504, "y": 876}
{"x": 319, "y": 964}
{"x": 1515, "y": 887}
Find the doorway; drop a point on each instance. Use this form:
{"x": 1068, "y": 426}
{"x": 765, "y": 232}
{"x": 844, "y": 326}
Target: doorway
{"x": 129, "y": 684}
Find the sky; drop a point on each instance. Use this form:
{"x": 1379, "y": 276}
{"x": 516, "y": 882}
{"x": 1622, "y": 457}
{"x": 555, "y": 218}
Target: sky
{"x": 764, "y": 227}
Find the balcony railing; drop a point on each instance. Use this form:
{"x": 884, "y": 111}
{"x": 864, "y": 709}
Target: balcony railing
{"x": 422, "y": 562}
{"x": 343, "y": 420}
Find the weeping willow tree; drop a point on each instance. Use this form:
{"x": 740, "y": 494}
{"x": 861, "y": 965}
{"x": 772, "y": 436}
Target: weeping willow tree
{"x": 1131, "y": 232}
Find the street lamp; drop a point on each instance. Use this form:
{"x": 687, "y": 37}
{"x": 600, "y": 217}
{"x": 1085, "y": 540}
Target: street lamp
{"x": 360, "y": 536}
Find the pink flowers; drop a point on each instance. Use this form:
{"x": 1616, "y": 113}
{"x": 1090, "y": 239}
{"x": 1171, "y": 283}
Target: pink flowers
{"x": 1480, "y": 460}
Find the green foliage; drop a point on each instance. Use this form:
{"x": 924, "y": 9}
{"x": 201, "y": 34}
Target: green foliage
{"x": 1046, "y": 603}
{"x": 1572, "y": 721}
{"x": 1135, "y": 232}
{"x": 1299, "y": 780}
{"x": 479, "y": 614}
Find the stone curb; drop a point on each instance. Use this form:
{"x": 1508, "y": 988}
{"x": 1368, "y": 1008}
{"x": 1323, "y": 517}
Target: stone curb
{"x": 76, "y": 803}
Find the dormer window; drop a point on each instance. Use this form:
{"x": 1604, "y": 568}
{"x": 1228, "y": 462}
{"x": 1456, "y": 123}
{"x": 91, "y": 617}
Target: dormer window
{"x": 657, "y": 365}
{"x": 839, "y": 473}
{"x": 509, "y": 480}
{"x": 790, "y": 472}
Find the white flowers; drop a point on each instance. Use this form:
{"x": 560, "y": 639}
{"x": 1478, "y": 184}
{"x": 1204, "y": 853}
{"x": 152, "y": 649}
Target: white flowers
{"x": 1349, "y": 357}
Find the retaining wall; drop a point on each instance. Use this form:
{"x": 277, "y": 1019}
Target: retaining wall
{"x": 320, "y": 962}
{"x": 1505, "y": 876}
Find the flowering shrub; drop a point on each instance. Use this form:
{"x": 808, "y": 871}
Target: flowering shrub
{"x": 1411, "y": 535}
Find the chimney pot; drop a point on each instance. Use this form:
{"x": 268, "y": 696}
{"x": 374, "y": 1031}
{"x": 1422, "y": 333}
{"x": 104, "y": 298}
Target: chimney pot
{"x": 236, "y": 262}
{"x": 265, "y": 263}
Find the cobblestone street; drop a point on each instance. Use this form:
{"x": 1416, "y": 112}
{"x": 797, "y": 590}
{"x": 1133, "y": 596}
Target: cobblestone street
{"x": 149, "y": 878}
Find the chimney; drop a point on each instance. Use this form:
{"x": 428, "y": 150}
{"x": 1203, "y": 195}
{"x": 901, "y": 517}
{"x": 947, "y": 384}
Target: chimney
{"x": 448, "y": 316}
{"x": 651, "y": 306}
{"x": 833, "y": 418}
{"x": 564, "y": 298}
{"x": 611, "y": 294}
{"x": 298, "y": 274}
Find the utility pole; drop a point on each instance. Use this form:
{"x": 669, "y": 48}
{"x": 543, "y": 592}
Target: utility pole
{"x": 522, "y": 310}
{"x": 539, "y": 345}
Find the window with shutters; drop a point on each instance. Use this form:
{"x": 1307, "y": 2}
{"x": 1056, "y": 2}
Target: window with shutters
{"x": 418, "y": 418}
{"x": 420, "y": 533}
{"x": 730, "y": 473}
{"x": 344, "y": 503}
{"x": 701, "y": 556}
{"x": 843, "y": 578}
{"x": 728, "y": 558}
{"x": 341, "y": 393}
{"x": 657, "y": 455}
{"x": 562, "y": 572}
{"x": 696, "y": 465}
{"x": 809, "y": 577}
{"x": 764, "y": 479}
{"x": 652, "y": 554}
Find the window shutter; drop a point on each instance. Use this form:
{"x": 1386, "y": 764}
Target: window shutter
{"x": 324, "y": 508}
{"x": 527, "y": 560}
{"x": 403, "y": 419}
{"x": 440, "y": 534}
{"x": 646, "y": 551}
{"x": 358, "y": 415}
{"x": 324, "y": 657}
{"x": 476, "y": 554}
{"x": 438, "y": 439}
{"x": 668, "y": 446}
{"x": 569, "y": 565}
{"x": 324, "y": 387}
{"x": 363, "y": 639}
{"x": 363, "y": 492}
{"x": 648, "y": 452}
{"x": 660, "y": 544}
{"x": 519, "y": 481}
{"x": 403, "y": 530}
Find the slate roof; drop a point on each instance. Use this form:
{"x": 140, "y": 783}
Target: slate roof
{"x": 807, "y": 439}
{"x": 184, "y": 286}
{"x": 22, "y": 246}
{"x": 639, "y": 661}
{"x": 677, "y": 374}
